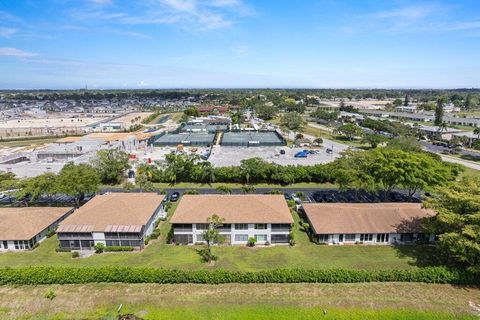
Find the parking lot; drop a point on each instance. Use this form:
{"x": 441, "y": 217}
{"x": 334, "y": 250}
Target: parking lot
{"x": 231, "y": 156}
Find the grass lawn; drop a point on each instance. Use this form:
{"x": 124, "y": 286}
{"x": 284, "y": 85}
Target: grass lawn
{"x": 27, "y": 142}
{"x": 328, "y": 135}
{"x": 304, "y": 255}
{"x": 241, "y": 301}
{"x": 469, "y": 172}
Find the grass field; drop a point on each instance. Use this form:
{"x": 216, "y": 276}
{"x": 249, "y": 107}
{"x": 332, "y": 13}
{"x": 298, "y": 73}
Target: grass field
{"x": 304, "y": 255}
{"x": 241, "y": 301}
{"x": 27, "y": 142}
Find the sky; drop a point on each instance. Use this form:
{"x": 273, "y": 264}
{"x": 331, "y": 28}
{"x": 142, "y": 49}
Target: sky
{"x": 71, "y": 44}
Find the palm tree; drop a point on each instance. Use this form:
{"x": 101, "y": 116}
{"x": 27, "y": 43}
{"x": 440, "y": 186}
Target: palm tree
{"x": 477, "y": 132}
{"x": 208, "y": 172}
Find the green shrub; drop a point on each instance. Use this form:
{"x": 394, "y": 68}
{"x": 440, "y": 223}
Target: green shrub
{"x": 206, "y": 254}
{"x": 192, "y": 191}
{"x": 50, "y": 295}
{"x": 42, "y": 275}
{"x": 50, "y": 233}
{"x": 155, "y": 234}
{"x": 118, "y": 248}
{"x": 291, "y": 239}
{"x": 251, "y": 242}
{"x": 291, "y": 203}
{"x": 99, "y": 247}
{"x": 75, "y": 254}
{"x": 60, "y": 249}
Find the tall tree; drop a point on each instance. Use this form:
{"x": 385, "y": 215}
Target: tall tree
{"x": 111, "y": 165}
{"x": 31, "y": 189}
{"x": 349, "y": 130}
{"x": 77, "y": 180}
{"x": 439, "y": 111}
{"x": 292, "y": 121}
{"x": 457, "y": 223}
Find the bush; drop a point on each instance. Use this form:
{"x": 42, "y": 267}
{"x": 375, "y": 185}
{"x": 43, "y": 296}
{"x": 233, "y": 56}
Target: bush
{"x": 75, "y": 254}
{"x": 60, "y": 249}
{"x": 291, "y": 239}
{"x": 50, "y": 295}
{"x": 118, "y": 248}
{"x": 251, "y": 242}
{"x": 50, "y": 233}
{"x": 192, "y": 191}
{"x": 207, "y": 255}
{"x": 42, "y": 275}
{"x": 99, "y": 247}
{"x": 155, "y": 234}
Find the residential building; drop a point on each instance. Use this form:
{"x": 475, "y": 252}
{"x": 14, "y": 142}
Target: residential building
{"x": 114, "y": 219}
{"x": 22, "y": 228}
{"x": 367, "y": 223}
{"x": 266, "y": 218}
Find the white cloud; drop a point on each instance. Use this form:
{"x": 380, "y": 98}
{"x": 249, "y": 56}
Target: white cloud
{"x": 137, "y": 35}
{"x": 7, "y": 32}
{"x": 102, "y": 2}
{"x": 13, "y": 52}
{"x": 189, "y": 14}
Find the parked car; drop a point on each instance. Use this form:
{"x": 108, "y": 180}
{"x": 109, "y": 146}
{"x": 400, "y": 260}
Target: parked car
{"x": 329, "y": 151}
{"x": 174, "y": 197}
{"x": 301, "y": 154}
{"x": 282, "y": 151}
{"x": 287, "y": 196}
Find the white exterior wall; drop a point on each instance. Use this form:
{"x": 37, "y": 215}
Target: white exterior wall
{"x": 394, "y": 238}
{"x": 99, "y": 237}
{"x": 160, "y": 213}
{"x": 39, "y": 237}
{"x": 251, "y": 232}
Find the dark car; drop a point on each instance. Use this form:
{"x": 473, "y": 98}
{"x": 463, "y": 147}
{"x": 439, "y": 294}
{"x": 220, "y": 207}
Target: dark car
{"x": 174, "y": 197}
{"x": 282, "y": 151}
{"x": 287, "y": 196}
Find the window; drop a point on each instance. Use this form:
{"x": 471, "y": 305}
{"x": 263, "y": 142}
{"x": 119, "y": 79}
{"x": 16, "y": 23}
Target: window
{"x": 181, "y": 227}
{"x": 349, "y": 237}
{"x": 323, "y": 237}
{"x": 406, "y": 237}
{"x": 260, "y": 226}
{"x": 241, "y": 226}
{"x": 261, "y": 237}
{"x": 383, "y": 237}
{"x": 366, "y": 237}
{"x": 280, "y": 238}
{"x": 183, "y": 238}
{"x": 280, "y": 227}
{"x": 225, "y": 227}
{"x": 202, "y": 226}
{"x": 241, "y": 237}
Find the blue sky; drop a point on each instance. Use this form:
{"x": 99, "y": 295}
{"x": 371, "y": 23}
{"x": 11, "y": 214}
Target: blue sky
{"x": 239, "y": 43}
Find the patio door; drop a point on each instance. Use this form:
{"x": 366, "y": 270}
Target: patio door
{"x": 340, "y": 238}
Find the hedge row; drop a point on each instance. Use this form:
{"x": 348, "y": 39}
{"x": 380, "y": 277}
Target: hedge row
{"x": 66, "y": 275}
{"x": 118, "y": 248}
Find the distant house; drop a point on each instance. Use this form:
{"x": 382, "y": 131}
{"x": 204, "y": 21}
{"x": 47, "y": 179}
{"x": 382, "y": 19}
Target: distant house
{"x": 367, "y": 223}
{"x": 114, "y": 219}
{"x": 266, "y": 218}
{"x": 23, "y": 228}
{"x": 303, "y": 142}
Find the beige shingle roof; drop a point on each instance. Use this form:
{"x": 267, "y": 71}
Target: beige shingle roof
{"x": 25, "y": 223}
{"x": 338, "y": 218}
{"x": 233, "y": 208}
{"x": 113, "y": 212}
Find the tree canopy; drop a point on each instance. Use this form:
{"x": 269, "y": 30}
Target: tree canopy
{"x": 457, "y": 222}
{"x": 111, "y": 165}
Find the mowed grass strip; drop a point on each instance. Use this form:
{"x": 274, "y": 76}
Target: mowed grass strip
{"x": 304, "y": 254}
{"x": 241, "y": 301}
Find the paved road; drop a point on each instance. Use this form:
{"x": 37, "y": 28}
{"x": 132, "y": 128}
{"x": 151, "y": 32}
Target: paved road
{"x": 439, "y": 149}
